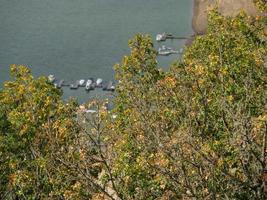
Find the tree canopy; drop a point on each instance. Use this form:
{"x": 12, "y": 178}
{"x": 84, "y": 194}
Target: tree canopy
{"x": 36, "y": 126}
{"x": 197, "y": 131}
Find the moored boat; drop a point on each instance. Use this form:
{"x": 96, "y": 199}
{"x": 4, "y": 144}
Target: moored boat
{"x": 110, "y": 87}
{"x": 74, "y": 85}
{"x": 51, "y": 78}
{"x": 81, "y": 82}
{"x": 89, "y": 85}
{"x": 60, "y": 83}
{"x": 99, "y": 82}
{"x": 166, "y": 51}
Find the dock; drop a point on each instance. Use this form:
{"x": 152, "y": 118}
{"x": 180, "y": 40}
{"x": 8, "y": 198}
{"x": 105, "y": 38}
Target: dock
{"x": 89, "y": 84}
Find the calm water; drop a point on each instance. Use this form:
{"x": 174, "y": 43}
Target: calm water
{"x": 75, "y": 39}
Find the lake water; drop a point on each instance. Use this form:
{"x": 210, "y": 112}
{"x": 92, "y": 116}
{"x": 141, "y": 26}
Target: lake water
{"x": 75, "y": 39}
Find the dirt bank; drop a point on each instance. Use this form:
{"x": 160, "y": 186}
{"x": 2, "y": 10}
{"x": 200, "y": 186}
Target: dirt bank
{"x": 226, "y": 7}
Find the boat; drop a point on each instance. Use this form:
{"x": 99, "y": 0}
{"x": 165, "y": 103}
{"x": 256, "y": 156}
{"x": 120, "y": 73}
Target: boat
{"x": 60, "y": 83}
{"x": 74, "y": 85}
{"x": 89, "y": 85}
{"x": 81, "y": 82}
{"x": 105, "y": 86}
{"x": 163, "y": 36}
{"x": 166, "y": 51}
{"x": 51, "y": 78}
{"x": 164, "y": 48}
{"x": 99, "y": 82}
{"x": 110, "y": 87}
{"x": 90, "y": 111}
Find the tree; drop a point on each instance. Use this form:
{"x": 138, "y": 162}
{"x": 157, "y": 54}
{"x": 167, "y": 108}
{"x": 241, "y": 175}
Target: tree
{"x": 224, "y": 79}
{"x": 220, "y": 148}
{"x": 134, "y": 108}
{"x": 89, "y": 163}
{"x": 198, "y": 131}
{"x": 36, "y": 127}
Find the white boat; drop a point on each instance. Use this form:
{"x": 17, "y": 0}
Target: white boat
{"x": 89, "y": 84}
{"x": 164, "y": 48}
{"x": 90, "y": 111}
{"x": 81, "y": 82}
{"x": 99, "y": 82}
{"x": 110, "y": 86}
{"x": 161, "y": 37}
{"x": 51, "y": 78}
{"x": 166, "y": 51}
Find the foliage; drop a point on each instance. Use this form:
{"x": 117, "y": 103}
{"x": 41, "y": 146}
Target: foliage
{"x": 89, "y": 163}
{"x": 224, "y": 79}
{"x": 262, "y": 4}
{"x": 198, "y": 131}
{"x": 35, "y": 128}
{"x": 134, "y": 103}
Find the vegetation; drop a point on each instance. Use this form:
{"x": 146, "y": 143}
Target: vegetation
{"x": 35, "y": 128}
{"x": 262, "y": 4}
{"x": 198, "y": 131}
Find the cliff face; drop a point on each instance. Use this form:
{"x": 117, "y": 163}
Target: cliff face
{"x": 226, "y": 7}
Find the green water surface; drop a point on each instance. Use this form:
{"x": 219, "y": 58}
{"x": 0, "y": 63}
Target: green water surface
{"x": 78, "y": 39}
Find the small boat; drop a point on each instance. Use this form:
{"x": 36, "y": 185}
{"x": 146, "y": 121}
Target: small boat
{"x": 99, "y": 82}
{"x": 51, "y": 78}
{"x": 163, "y": 36}
{"x": 74, "y": 85}
{"x": 164, "y": 48}
{"x": 110, "y": 87}
{"x": 90, "y": 111}
{"x": 81, "y": 82}
{"x": 60, "y": 83}
{"x": 105, "y": 86}
{"x": 166, "y": 51}
{"x": 89, "y": 85}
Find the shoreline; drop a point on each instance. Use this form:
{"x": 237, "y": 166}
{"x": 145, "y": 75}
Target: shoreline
{"x": 199, "y": 18}
{"x": 195, "y": 17}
